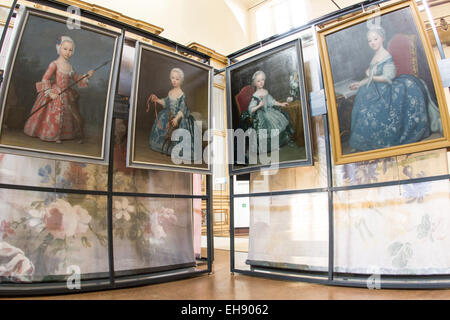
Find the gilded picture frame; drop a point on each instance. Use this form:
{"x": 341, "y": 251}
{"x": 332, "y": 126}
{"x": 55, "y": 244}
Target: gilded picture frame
{"x": 48, "y": 111}
{"x": 383, "y": 88}
{"x": 287, "y": 108}
{"x": 154, "y": 140}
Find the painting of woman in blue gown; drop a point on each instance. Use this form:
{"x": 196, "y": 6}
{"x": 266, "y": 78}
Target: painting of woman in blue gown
{"x": 383, "y": 88}
{"x": 389, "y": 110}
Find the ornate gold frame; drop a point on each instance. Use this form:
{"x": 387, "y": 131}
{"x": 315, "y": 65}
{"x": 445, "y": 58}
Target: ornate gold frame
{"x": 338, "y": 156}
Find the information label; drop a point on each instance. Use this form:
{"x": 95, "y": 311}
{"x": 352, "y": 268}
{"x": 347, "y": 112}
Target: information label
{"x": 444, "y": 68}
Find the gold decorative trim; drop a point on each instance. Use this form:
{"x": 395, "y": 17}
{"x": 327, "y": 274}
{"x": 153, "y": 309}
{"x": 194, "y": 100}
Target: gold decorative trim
{"x": 115, "y": 16}
{"x": 210, "y": 52}
{"x": 413, "y": 52}
{"x": 219, "y": 133}
{"x": 3, "y": 22}
{"x": 219, "y": 86}
{"x": 108, "y": 13}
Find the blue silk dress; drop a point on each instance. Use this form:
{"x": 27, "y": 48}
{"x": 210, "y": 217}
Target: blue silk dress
{"x": 389, "y": 113}
{"x": 158, "y": 134}
{"x": 270, "y": 117}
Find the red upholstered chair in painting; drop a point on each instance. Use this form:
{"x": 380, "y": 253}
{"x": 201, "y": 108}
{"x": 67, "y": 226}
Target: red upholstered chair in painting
{"x": 402, "y": 47}
{"x": 243, "y": 99}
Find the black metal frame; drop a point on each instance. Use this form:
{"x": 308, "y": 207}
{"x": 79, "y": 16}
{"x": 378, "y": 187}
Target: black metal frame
{"x": 330, "y": 277}
{"x": 112, "y": 280}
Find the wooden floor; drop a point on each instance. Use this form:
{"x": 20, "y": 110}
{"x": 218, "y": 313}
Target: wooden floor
{"x": 222, "y": 285}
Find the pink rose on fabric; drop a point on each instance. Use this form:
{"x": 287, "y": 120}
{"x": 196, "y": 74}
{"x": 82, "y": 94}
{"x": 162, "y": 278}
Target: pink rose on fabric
{"x": 62, "y": 220}
{"x": 159, "y": 218}
{"x": 156, "y": 229}
{"x": 167, "y": 215}
{"x": 5, "y": 230}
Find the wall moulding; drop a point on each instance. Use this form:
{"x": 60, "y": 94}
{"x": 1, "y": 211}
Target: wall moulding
{"x": 215, "y": 56}
{"x": 115, "y": 15}
{"x": 148, "y": 27}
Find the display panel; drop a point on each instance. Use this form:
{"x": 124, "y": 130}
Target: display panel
{"x": 127, "y": 179}
{"x": 267, "y": 107}
{"x": 289, "y": 232}
{"x": 49, "y": 236}
{"x": 58, "y": 103}
{"x": 152, "y": 234}
{"x": 393, "y": 230}
{"x": 384, "y": 92}
{"x": 304, "y": 177}
{"x": 410, "y": 166}
{"x": 170, "y": 110}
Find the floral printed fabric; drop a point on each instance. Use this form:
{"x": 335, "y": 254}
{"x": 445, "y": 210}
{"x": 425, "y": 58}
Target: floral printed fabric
{"x": 393, "y": 230}
{"x": 150, "y": 233}
{"x": 49, "y": 233}
{"x": 289, "y": 232}
{"x": 385, "y": 230}
{"x": 43, "y": 234}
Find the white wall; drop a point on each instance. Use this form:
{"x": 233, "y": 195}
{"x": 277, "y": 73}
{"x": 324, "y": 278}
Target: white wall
{"x": 208, "y": 22}
{"x": 307, "y": 9}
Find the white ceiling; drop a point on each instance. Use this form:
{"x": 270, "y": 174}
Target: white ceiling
{"x": 250, "y": 3}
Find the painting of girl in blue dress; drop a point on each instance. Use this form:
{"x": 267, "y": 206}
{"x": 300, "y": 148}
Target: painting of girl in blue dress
{"x": 175, "y": 114}
{"x": 389, "y": 110}
{"x": 267, "y": 115}
{"x": 268, "y": 110}
{"x": 169, "y": 119}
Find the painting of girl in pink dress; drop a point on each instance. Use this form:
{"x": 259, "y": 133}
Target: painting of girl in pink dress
{"x": 55, "y": 115}
{"x": 59, "y": 103}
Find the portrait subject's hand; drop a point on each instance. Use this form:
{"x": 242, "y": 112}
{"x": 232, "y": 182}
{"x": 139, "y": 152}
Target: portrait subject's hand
{"x": 53, "y": 96}
{"x": 149, "y": 99}
{"x": 154, "y": 98}
{"x": 174, "y": 122}
{"x": 90, "y": 73}
{"x": 284, "y": 104}
{"x": 354, "y": 85}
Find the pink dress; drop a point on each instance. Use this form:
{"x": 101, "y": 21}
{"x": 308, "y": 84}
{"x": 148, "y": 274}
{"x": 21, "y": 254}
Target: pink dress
{"x": 58, "y": 119}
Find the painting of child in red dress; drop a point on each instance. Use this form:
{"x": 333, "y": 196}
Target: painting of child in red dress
{"x": 55, "y": 115}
